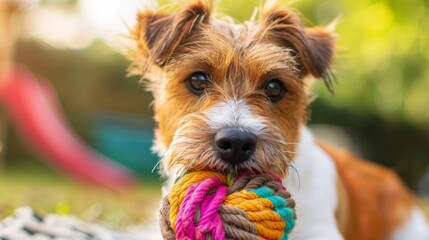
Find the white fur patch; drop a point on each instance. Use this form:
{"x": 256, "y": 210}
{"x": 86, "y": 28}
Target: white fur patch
{"x": 233, "y": 114}
{"x": 416, "y": 228}
{"x": 158, "y": 147}
{"x": 313, "y": 186}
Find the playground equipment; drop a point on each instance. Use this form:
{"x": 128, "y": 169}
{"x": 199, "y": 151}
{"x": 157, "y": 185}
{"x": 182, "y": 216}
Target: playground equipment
{"x": 35, "y": 113}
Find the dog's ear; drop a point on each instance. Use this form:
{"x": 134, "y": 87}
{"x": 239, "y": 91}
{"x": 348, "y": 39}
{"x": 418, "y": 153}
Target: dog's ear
{"x": 314, "y": 47}
{"x": 159, "y": 34}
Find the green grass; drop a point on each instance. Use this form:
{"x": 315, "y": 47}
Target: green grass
{"x": 47, "y": 192}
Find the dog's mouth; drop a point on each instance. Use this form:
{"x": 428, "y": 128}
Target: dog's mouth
{"x": 237, "y": 168}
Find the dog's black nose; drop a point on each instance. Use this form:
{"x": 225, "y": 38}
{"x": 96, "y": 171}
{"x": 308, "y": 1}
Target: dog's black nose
{"x": 235, "y": 145}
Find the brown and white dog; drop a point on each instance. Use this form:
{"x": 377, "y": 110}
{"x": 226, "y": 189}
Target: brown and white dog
{"x": 229, "y": 97}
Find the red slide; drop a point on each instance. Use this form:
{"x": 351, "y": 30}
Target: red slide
{"x": 34, "y": 111}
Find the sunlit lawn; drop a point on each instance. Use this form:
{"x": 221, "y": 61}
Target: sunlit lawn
{"x": 49, "y": 193}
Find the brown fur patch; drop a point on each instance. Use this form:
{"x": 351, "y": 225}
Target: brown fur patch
{"x": 379, "y": 201}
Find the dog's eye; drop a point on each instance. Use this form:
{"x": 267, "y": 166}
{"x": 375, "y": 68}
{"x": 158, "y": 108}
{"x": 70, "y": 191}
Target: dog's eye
{"x": 197, "y": 82}
{"x": 275, "y": 90}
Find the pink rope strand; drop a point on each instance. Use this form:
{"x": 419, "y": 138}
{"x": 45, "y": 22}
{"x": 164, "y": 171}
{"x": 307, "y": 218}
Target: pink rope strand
{"x": 198, "y": 196}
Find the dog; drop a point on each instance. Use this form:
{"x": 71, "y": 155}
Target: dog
{"x": 231, "y": 97}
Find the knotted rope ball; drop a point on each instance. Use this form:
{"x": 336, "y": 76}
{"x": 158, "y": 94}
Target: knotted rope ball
{"x": 210, "y": 205}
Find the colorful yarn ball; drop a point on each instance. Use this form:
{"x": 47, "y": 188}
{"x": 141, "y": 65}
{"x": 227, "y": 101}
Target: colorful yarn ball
{"x": 209, "y": 205}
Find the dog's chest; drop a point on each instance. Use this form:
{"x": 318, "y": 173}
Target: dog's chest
{"x": 312, "y": 182}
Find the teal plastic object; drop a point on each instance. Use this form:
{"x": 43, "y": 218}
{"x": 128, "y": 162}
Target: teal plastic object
{"x": 127, "y": 140}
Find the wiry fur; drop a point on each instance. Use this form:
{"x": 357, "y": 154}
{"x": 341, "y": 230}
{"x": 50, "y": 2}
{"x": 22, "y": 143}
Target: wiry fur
{"x": 239, "y": 59}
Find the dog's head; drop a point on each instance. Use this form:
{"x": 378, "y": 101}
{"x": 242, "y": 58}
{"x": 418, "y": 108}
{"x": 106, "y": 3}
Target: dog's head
{"x": 228, "y": 96}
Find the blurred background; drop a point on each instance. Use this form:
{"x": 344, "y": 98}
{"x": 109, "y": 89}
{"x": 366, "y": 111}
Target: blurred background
{"x": 380, "y": 109}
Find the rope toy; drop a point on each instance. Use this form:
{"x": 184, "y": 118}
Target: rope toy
{"x": 209, "y": 205}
